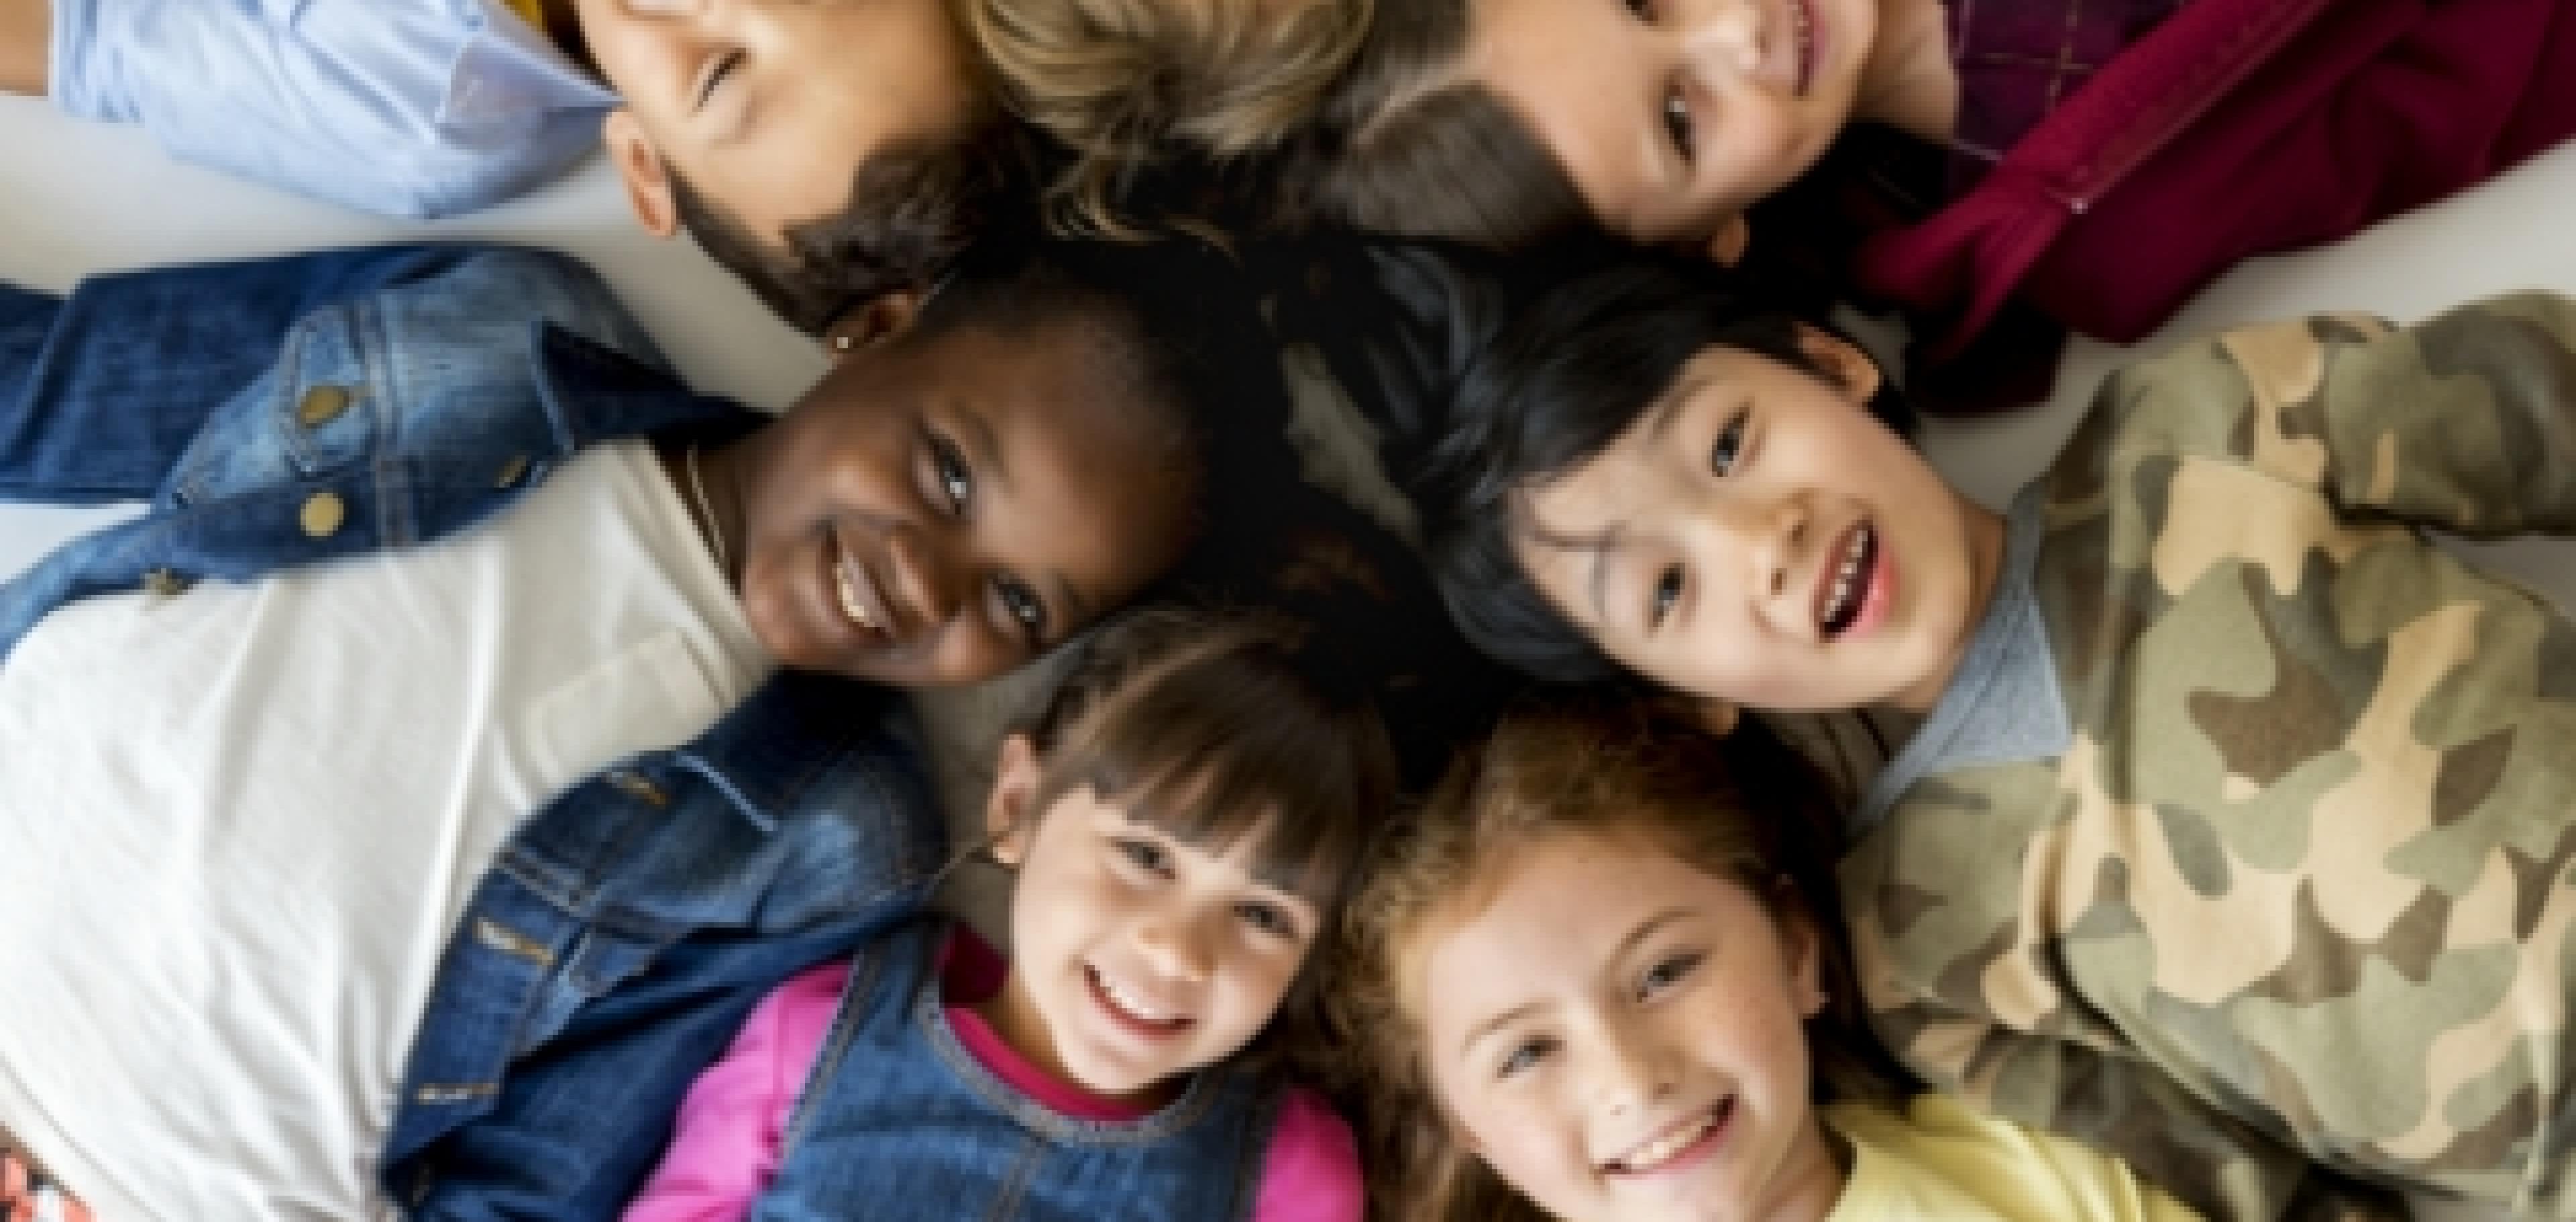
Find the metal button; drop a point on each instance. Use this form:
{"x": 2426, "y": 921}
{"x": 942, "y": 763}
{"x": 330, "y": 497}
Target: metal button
{"x": 165, "y": 583}
{"x": 512, "y": 471}
{"x": 322, "y": 405}
{"x": 636, "y": 787}
{"x": 323, "y": 513}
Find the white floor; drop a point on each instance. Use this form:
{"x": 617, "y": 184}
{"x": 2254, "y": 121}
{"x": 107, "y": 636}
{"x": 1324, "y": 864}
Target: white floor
{"x": 75, "y": 199}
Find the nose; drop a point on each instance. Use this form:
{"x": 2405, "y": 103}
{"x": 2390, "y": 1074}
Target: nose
{"x": 924, "y": 585}
{"x": 1629, "y": 1072}
{"x": 1174, "y": 949}
{"x": 1759, "y": 537}
{"x": 1717, "y": 33}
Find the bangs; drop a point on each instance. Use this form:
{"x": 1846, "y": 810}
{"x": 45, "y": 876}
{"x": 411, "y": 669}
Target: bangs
{"x": 1235, "y": 742}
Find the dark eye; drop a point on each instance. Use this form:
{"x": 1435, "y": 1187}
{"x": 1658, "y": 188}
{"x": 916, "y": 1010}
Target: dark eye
{"x": 1668, "y": 591}
{"x": 1730, "y": 443}
{"x": 1145, "y": 855}
{"x": 1666, "y": 973}
{"x": 1524, "y": 1057}
{"x": 1679, "y": 126}
{"x": 1022, "y": 610}
{"x": 1270, "y": 919}
{"x": 952, "y": 481}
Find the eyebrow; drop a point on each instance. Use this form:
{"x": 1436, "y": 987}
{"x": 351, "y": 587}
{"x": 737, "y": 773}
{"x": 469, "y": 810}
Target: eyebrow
{"x": 1659, "y": 421}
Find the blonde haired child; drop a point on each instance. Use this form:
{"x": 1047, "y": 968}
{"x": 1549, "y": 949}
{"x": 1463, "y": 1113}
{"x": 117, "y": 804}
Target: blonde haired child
{"x": 1593, "y": 981}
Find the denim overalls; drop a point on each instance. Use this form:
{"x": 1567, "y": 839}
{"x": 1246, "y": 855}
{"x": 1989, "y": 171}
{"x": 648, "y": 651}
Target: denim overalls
{"x": 898, "y": 1122}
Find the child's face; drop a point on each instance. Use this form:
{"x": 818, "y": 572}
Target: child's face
{"x": 768, "y": 107}
{"x": 941, "y": 508}
{"x": 1137, "y": 957}
{"x": 1620, "y": 1036}
{"x": 1758, "y": 537}
{"x": 1672, "y": 116}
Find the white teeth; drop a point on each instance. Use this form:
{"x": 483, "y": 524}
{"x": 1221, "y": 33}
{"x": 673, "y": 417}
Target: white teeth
{"x": 1127, "y": 1001}
{"x": 1847, "y": 577}
{"x": 1659, "y": 1152}
{"x": 849, "y": 592}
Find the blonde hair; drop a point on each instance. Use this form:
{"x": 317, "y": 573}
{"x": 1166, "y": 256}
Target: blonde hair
{"x": 1742, "y": 807}
{"x": 1135, "y": 90}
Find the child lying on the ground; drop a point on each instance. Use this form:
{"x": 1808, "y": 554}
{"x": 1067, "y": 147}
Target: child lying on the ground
{"x": 522, "y": 799}
{"x": 1592, "y": 978}
{"x": 824, "y": 152}
{"x": 2232, "y": 831}
{"x": 1181, "y": 812}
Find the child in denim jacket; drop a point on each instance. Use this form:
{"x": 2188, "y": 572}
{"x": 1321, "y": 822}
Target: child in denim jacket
{"x": 824, "y": 152}
{"x": 469, "y": 725}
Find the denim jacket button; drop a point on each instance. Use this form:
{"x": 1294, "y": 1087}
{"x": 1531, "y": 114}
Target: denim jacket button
{"x": 323, "y": 513}
{"x": 634, "y": 785}
{"x": 512, "y": 472}
{"x": 164, "y": 583}
{"x": 322, "y": 405}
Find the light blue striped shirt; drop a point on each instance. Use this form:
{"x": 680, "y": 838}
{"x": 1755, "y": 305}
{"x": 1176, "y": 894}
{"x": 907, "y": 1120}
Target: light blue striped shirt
{"x": 408, "y": 108}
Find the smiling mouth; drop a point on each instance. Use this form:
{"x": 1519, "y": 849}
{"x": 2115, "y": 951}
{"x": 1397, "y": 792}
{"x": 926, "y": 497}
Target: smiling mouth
{"x": 850, "y": 586}
{"x": 1847, "y": 591}
{"x": 1677, "y": 1145}
{"x": 1133, "y": 1012}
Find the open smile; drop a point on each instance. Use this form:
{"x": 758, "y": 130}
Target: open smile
{"x": 1852, "y": 592}
{"x": 1680, "y": 1146}
{"x": 856, "y": 593}
{"x": 1131, "y": 1013}
{"x": 1802, "y": 30}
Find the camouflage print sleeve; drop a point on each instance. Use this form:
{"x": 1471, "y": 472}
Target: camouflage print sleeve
{"x": 2214, "y": 1162}
{"x": 2466, "y": 422}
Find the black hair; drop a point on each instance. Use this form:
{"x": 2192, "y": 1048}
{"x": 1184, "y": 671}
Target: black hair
{"x": 1572, "y": 345}
{"x": 1177, "y": 319}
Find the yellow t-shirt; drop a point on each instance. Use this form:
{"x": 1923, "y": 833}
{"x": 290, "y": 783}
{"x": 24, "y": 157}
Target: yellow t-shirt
{"x": 1939, "y": 1160}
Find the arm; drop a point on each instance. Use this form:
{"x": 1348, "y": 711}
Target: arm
{"x": 2206, "y": 1157}
{"x": 26, "y": 45}
{"x": 1312, "y": 1171}
{"x": 2464, "y": 423}
{"x": 102, "y": 391}
{"x": 732, "y": 1128}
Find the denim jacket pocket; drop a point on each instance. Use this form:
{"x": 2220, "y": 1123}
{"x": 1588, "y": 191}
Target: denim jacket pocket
{"x": 315, "y": 412}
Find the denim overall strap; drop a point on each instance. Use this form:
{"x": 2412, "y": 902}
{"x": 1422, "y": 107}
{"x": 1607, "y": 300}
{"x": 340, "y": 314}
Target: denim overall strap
{"x": 899, "y": 1122}
{"x": 628, "y": 929}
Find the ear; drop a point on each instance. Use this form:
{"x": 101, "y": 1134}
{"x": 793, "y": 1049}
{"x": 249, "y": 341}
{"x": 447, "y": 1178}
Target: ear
{"x": 872, "y": 321}
{"x": 1726, "y": 247}
{"x": 1842, "y": 361}
{"x": 1008, "y": 813}
{"x": 639, "y": 164}
{"x": 1801, "y": 948}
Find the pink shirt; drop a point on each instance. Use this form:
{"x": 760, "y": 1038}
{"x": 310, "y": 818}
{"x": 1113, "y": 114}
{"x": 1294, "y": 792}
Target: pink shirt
{"x": 732, "y": 1127}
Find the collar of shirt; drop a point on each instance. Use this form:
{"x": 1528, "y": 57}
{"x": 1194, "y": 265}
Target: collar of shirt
{"x": 507, "y": 69}
{"x": 2004, "y": 704}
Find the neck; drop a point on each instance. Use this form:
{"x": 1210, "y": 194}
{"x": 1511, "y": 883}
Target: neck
{"x": 1909, "y": 82}
{"x": 709, "y": 479}
{"x": 1811, "y": 1178}
{"x": 1985, "y": 530}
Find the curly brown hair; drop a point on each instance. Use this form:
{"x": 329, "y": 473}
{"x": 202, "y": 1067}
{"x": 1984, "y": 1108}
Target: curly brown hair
{"x": 1572, "y": 762}
{"x": 1135, "y": 90}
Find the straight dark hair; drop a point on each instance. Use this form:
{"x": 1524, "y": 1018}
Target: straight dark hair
{"x": 1584, "y": 347}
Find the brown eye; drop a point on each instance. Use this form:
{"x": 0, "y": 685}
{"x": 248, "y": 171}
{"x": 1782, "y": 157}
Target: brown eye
{"x": 1680, "y": 127}
{"x": 1729, "y": 445}
{"x": 1668, "y": 591}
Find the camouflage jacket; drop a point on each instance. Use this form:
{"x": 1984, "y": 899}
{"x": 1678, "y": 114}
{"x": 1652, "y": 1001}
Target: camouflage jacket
{"x": 2290, "y": 914}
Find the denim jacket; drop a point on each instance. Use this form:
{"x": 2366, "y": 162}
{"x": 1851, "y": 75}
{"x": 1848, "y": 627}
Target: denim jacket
{"x": 284, "y": 411}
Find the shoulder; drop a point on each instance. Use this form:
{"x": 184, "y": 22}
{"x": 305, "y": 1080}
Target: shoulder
{"x": 1312, "y": 1170}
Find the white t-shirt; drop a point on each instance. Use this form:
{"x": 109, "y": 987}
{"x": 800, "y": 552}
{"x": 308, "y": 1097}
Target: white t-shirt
{"x": 238, "y": 823}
